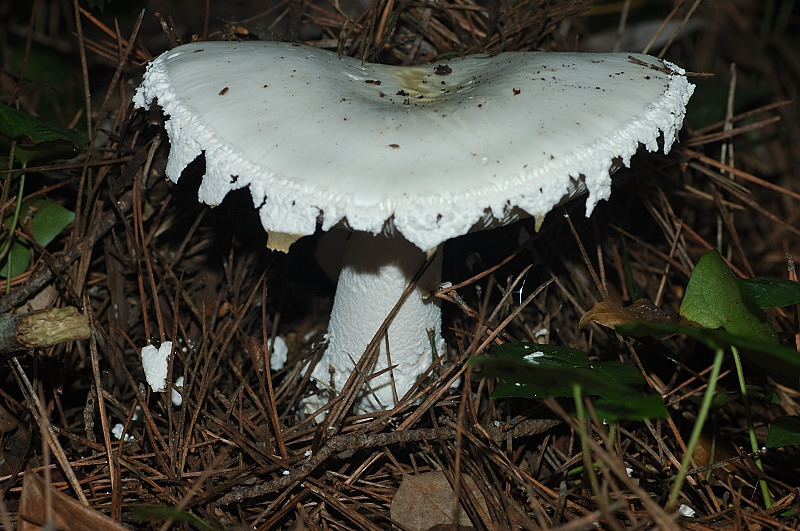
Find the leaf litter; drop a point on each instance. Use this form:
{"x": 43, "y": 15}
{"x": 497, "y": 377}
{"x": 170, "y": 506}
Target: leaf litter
{"x": 147, "y": 263}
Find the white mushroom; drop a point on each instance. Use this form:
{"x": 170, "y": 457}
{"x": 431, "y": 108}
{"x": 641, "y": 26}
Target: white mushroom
{"x": 407, "y": 157}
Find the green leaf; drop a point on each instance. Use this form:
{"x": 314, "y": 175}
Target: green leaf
{"x": 713, "y": 299}
{"x": 773, "y": 358}
{"x": 18, "y": 125}
{"x": 534, "y": 371}
{"x": 18, "y": 259}
{"x": 48, "y": 221}
{"x": 769, "y": 292}
{"x": 621, "y": 373}
{"x": 753, "y": 391}
{"x": 38, "y": 138}
{"x": 535, "y": 354}
{"x": 528, "y": 370}
{"x": 48, "y": 151}
{"x": 784, "y": 431}
{"x": 625, "y": 408}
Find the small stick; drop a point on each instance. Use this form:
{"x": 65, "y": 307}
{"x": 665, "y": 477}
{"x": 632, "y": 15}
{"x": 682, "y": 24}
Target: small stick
{"x": 42, "y": 328}
{"x": 357, "y": 441}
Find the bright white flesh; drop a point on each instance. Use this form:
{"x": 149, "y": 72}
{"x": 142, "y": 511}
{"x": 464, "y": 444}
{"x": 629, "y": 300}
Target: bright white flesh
{"x": 429, "y": 152}
{"x": 155, "y": 362}
{"x": 375, "y": 272}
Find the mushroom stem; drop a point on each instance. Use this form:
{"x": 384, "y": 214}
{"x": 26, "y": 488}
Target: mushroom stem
{"x": 376, "y": 271}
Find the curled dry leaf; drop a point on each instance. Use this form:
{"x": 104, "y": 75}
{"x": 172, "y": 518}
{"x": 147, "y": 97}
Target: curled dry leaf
{"x": 608, "y": 314}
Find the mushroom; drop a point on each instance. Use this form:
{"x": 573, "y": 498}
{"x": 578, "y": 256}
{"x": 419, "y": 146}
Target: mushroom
{"x": 405, "y": 158}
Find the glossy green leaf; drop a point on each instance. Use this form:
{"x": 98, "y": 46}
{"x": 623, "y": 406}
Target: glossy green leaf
{"x": 713, "y": 299}
{"x": 627, "y": 408}
{"x": 37, "y": 138}
{"x": 784, "y": 431}
{"x": 770, "y": 292}
{"x": 773, "y": 358}
{"x": 526, "y": 370}
{"x": 535, "y": 371}
{"x": 536, "y": 354}
{"x": 45, "y": 151}
{"x": 21, "y": 125}
{"x": 622, "y": 373}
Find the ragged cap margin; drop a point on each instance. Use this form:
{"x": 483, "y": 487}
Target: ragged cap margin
{"x": 292, "y": 203}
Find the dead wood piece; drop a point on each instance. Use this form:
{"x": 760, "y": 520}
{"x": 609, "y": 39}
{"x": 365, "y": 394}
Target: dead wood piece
{"x": 358, "y": 441}
{"x": 42, "y": 328}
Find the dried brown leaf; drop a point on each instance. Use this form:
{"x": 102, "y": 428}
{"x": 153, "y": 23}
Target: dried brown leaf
{"x": 610, "y": 315}
{"x": 67, "y": 512}
{"x": 424, "y": 501}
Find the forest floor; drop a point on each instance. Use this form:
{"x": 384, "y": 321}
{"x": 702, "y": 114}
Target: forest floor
{"x": 146, "y": 263}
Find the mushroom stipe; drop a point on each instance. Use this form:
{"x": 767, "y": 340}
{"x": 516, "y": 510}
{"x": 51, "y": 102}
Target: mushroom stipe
{"x": 406, "y": 158}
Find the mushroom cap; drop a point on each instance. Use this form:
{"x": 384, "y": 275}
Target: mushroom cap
{"x": 431, "y": 151}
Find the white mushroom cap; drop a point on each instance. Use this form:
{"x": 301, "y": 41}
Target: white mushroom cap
{"x": 430, "y": 151}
